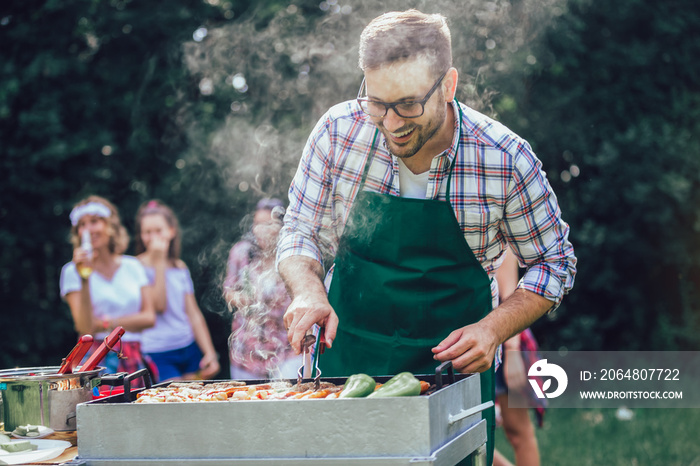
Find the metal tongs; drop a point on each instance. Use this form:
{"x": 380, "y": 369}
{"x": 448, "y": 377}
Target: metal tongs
{"x": 307, "y": 370}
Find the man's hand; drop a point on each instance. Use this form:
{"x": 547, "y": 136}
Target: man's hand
{"x": 303, "y": 277}
{"x": 305, "y": 311}
{"x": 471, "y": 348}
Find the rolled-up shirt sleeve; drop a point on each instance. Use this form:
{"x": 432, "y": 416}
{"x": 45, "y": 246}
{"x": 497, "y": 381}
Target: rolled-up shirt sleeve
{"x": 536, "y": 232}
{"x": 307, "y": 229}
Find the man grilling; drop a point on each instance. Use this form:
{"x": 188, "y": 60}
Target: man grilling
{"x": 416, "y": 197}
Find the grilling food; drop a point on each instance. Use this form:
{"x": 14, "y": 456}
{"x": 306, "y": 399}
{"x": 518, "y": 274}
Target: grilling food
{"x": 424, "y": 387}
{"x": 403, "y": 384}
{"x": 358, "y": 386}
{"x": 234, "y": 391}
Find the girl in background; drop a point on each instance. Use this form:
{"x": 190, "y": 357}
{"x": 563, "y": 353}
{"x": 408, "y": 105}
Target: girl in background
{"x": 105, "y": 288}
{"x": 180, "y": 343}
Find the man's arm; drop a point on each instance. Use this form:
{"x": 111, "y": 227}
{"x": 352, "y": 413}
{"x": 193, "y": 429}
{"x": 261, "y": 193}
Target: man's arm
{"x": 539, "y": 238}
{"x": 472, "y": 348}
{"x": 303, "y": 277}
{"x": 307, "y": 235}
{"x": 535, "y": 231}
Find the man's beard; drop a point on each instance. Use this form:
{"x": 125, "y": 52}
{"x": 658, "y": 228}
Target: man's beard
{"x": 422, "y": 135}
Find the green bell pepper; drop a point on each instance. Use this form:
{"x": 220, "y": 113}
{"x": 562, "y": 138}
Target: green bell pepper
{"x": 358, "y": 386}
{"x": 403, "y": 384}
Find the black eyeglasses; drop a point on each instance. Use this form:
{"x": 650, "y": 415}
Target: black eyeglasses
{"x": 409, "y": 109}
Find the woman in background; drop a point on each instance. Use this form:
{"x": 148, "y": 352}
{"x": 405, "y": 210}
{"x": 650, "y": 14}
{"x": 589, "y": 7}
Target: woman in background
{"x": 180, "y": 343}
{"x": 105, "y": 288}
{"x": 258, "y": 346}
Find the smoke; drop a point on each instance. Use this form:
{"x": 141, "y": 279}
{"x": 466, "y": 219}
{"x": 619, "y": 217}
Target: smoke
{"x": 277, "y": 80}
{"x": 257, "y": 298}
{"x": 263, "y": 88}
{"x": 256, "y": 338}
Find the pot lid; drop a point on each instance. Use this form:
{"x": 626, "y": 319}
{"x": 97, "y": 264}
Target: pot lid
{"x": 43, "y": 373}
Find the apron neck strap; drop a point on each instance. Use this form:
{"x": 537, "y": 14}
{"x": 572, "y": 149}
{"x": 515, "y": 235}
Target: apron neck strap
{"x": 372, "y": 150}
{"x": 454, "y": 162}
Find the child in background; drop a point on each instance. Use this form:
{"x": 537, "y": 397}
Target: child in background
{"x": 105, "y": 288}
{"x": 180, "y": 343}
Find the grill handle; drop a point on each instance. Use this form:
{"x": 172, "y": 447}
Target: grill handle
{"x": 450, "y": 374}
{"x": 145, "y": 373}
{"x": 124, "y": 379}
{"x": 468, "y": 412}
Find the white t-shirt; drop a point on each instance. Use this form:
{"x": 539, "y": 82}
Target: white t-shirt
{"x": 118, "y": 297}
{"x": 411, "y": 185}
{"x": 173, "y": 329}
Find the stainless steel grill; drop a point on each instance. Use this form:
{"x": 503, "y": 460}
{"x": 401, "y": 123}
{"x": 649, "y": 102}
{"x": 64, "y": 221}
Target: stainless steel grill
{"x": 440, "y": 428}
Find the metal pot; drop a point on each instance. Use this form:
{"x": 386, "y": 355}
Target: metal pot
{"x": 41, "y": 396}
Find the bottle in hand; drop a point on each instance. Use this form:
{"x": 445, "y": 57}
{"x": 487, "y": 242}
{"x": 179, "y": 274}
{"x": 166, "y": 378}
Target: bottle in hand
{"x": 85, "y": 243}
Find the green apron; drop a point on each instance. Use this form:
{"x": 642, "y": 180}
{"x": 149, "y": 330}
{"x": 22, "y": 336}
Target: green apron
{"x": 404, "y": 278}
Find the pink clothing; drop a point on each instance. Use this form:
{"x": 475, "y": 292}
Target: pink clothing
{"x": 258, "y": 342}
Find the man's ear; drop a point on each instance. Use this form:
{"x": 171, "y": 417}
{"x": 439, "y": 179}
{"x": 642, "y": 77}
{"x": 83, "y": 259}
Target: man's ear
{"x": 449, "y": 84}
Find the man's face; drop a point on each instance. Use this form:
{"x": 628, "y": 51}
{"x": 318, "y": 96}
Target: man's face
{"x": 407, "y": 81}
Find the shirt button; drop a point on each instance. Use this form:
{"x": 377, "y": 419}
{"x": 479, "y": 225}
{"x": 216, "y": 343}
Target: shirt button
{"x": 447, "y": 163}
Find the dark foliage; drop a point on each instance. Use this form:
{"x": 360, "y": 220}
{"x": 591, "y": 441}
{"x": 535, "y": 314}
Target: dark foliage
{"x": 115, "y": 97}
{"x": 611, "y": 107}
{"x": 91, "y": 99}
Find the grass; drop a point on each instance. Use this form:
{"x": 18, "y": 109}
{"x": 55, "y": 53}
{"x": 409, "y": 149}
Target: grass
{"x": 580, "y": 437}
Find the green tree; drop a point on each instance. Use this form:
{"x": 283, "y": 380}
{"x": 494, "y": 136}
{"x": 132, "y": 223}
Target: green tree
{"x": 204, "y": 104}
{"x": 609, "y": 100}
{"x": 207, "y": 104}
{"x": 90, "y": 93}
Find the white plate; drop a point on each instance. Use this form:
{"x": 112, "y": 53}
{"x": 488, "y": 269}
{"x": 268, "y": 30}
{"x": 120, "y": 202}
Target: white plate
{"x": 47, "y": 449}
{"x": 43, "y": 432}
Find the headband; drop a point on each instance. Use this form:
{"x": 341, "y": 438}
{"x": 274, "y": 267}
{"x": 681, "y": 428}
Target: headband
{"x": 91, "y": 208}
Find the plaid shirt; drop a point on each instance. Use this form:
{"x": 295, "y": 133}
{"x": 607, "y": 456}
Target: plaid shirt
{"x": 499, "y": 194}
